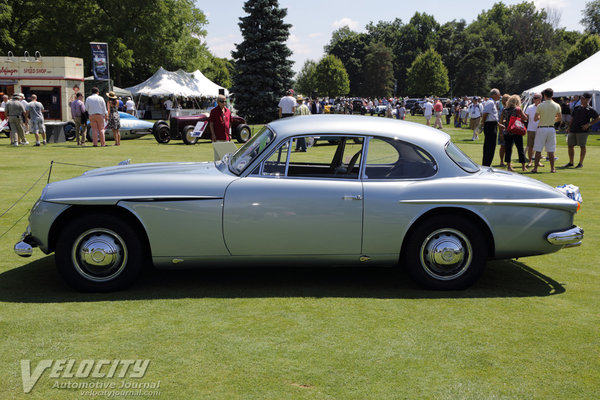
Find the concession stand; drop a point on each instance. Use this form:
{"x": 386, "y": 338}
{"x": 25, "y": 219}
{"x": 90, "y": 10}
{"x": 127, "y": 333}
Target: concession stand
{"x": 54, "y": 80}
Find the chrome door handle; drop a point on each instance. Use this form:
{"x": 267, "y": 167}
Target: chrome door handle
{"x": 357, "y": 197}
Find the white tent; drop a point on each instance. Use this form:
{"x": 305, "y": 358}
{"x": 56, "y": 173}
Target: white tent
{"x": 206, "y": 86}
{"x": 584, "y": 77}
{"x": 166, "y": 83}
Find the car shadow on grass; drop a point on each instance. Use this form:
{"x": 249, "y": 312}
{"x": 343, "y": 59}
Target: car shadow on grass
{"x": 39, "y": 282}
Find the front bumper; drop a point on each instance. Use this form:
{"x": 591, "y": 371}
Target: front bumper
{"x": 25, "y": 247}
{"x": 569, "y": 238}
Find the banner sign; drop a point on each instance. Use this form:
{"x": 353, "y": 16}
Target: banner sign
{"x": 100, "y": 61}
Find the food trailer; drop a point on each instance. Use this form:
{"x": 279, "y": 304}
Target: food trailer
{"x": 54, "y": 80}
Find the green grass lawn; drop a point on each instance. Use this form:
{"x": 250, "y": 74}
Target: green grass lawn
{"x": 529, "y": 329}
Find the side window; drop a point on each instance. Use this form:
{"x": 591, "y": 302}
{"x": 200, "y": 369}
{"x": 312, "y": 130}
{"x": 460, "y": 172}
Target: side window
{"x": 275, "y": 164}
{"x": 316, "y": 157}
{"x": 326, "y": 157}
{"x": 395, "y": 159}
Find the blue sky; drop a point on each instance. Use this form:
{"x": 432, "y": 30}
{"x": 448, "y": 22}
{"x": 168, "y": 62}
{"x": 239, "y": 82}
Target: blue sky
{"x": 314, "y": 21}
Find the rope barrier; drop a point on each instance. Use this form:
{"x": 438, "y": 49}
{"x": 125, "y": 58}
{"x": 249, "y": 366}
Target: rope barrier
{"x": 49, "y": 171}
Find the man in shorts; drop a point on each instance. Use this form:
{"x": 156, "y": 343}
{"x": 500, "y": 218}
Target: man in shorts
{"x": 532, "y": 126}
{"x": 582, "y": 118}
{"x": 36, "y": 119}
{"x": 546, "y": 114}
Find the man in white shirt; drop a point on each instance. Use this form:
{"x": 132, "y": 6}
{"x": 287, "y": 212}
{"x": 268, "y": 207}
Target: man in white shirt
{"x": 287, "y": 105}
{"x": 427, "y": 111}
{"x": 475, "y": 111}
{"x": 96, "y": 108}
{"x": 490, "y": 127}
{"x": 4, "y": 101}
{"x": 532, "y": 125}
{"x": 130, "y": 106}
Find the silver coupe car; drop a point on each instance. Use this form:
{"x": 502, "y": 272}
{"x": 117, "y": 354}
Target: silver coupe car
{"x": 337, "y": 190}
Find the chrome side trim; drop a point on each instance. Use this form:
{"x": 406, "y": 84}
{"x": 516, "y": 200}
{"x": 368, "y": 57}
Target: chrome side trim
{"x": 115, "y": 200}
{"x": 569, "y": 238}
{"x": 547, "y": 203}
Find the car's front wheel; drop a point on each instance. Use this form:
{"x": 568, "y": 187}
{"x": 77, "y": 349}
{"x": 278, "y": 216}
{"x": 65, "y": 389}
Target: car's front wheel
{"x": 186, "y": 135}
{"x": 243, "y": 133}
{"x": 99, "y": 253}
{"x": 446, "y": 252}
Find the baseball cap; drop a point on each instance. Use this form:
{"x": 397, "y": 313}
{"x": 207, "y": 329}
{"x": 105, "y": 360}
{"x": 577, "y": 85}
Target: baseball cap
{"x": 587, "y": 95}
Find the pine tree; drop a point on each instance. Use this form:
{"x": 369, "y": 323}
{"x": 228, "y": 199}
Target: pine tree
{"x": 263, "y": 69}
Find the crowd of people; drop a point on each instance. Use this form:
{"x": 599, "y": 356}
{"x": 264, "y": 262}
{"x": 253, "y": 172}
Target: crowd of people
{"x": 496, "y": 116}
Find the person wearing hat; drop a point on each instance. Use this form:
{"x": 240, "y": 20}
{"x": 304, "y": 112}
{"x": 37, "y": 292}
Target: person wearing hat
{"x": 475, "y": 111}
{"x": 96, "y": 108}
{"x": 287, "y": 105}
{"x": 114, "y": 120}
{"x": 302, "y": 109}
{"x": 15, "y": 112}
{"x": 582, "y": 118}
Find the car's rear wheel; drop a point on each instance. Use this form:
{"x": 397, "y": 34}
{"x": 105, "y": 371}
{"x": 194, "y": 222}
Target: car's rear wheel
{"x": 161, "y": 133}
{"x": 99, "y": 253}
{"x": 69, "y": 130}
{"x": 445, "y": 252}
{"x": 186, "y": 135}
{"x": 243, "y": 133}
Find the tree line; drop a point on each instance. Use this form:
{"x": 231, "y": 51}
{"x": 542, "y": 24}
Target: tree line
{"x": 511, "y": 47}
{"x": 141, "y": 35}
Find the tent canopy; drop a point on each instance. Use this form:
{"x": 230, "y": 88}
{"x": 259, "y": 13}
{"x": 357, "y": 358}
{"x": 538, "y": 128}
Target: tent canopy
{"x": 583, "y": 77}
{"x": 207, "y": 86}
{"x": 178, "y": 83}
{"x": 166, "y": 83}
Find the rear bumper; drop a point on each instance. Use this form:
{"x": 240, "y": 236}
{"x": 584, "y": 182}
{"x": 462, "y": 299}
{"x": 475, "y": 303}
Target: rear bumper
{"x": 569, "y": 238}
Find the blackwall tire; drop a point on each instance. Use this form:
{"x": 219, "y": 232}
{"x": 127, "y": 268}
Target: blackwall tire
{"x": 243, "y": 133}
{"x": 99, "y": 253}
{"x": 161, "y": 133}
{"x": 446, "y": 252}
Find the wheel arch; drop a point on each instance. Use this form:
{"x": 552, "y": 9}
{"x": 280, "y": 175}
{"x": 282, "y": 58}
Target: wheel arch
{"x": 468, "y": 214}
{"x": 75, "y": 211}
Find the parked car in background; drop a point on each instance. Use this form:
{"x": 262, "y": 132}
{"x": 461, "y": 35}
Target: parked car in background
{"x": 182, "y": 128}
{"x": 131, "y": 128}
{"x": 387, "y": 192}
{"x": 359, "y": 106}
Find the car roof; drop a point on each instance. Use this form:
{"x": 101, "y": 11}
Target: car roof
{"x": 323, "y": 124}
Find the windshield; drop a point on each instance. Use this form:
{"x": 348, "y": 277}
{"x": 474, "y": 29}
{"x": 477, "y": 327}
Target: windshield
{"x": 251, "y": 150}
{"x": 461, "y": 158}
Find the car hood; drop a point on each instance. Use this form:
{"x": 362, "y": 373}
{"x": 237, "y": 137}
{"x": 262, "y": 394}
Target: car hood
{"x": 142, "y": 182}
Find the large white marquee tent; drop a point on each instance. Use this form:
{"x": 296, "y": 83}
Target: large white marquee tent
{"x": 584, "y": 77}
{"x": 178, "y": 83}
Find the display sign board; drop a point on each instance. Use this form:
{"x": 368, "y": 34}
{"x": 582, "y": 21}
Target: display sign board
{"x": 100, "y": 67}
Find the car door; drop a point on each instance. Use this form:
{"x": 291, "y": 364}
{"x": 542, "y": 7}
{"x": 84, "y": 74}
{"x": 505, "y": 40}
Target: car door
{"x": 302, "y": 200}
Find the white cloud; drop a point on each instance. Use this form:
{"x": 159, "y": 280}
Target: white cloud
{"x": 556, "y": 4}
{"x": 316, "y": 35}
{"x": 345, "y": 22}
{"x": 298, "y": 45}
{"x": 222, "y": 46}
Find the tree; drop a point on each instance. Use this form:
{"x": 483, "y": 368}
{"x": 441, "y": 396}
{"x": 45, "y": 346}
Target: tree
{"x": 218, "y": 71}
{"x": 263, "y": 71}
{"x": 529, "y": 69}
{"x": 585, "y": 47}
{"x": 427, "y": 76}
{"x": 473, "y": 72}
{"x": 305, "y": 81}
{"x": 331, "y": 78}
{"x": 378, "y": 71}
{"x": 351, "y": 48}
{"x": 591, "y": 17}
{"x": 137, "y": 43}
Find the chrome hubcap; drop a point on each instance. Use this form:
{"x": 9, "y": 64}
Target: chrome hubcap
{"x": 446, "y": 254}
{"x": 99, "y": 254}
{"x": 245, "y": 134}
